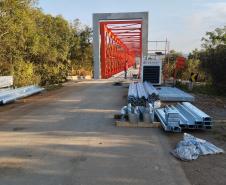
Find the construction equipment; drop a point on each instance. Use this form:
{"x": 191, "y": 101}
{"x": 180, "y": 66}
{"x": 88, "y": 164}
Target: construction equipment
{"x": 152, "y": 71}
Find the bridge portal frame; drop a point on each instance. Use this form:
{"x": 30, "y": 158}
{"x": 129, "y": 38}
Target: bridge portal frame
{"x": 100, "y": 17}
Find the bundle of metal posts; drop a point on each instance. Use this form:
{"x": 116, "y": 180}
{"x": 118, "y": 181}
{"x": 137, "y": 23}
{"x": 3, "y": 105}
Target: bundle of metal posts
{"x": 132, "y": 94}
{"x": 169, "y": 118}
{"x": 183, "y": 116}
{"x": 142, "y": 95}
{"x": 200, "y": 119}
{"x": 14, "y": 94}
{"x": 137, "y": 95}
{"x": 153, "y": 94}
{"x": 162, "y": 93}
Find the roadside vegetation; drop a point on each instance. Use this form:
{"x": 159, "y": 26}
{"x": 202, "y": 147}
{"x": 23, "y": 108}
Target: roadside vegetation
{"x": 209, "y": 62}
{"x": 37, "y": 48}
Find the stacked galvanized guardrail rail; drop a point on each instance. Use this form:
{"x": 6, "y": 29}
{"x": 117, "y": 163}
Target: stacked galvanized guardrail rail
{"x": 173, "y": 118}
{"x": 140, "y": 94}
{"x": 11, "y": 95}
{"x": 132, "y": 94}
{"x": 183, "y": 116}
{"x": 153, "y": 94}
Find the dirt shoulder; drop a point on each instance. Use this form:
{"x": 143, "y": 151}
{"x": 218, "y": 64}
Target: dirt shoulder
{"x": 211, "y": 169}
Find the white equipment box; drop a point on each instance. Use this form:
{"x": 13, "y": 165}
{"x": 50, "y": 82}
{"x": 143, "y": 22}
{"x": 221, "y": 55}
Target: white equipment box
{"x": 6, "y": 81}
{"x": 152, "y": 71}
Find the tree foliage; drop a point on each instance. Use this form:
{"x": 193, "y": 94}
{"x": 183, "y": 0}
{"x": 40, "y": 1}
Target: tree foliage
{"x": 213, "y": 57}
{"x": 170, "y": 62}
{"x": 192, "y": 65}
{"x": 44, "y": 46}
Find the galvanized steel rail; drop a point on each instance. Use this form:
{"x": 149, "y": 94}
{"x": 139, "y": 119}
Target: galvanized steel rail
{"x": 15, "y": 94}
{"x": 183, "y": 116}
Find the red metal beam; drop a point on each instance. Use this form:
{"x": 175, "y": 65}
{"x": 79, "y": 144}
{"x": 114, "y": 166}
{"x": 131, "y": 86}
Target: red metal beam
{"x": 115, "y": 29}
{"x": 130, "y": 41}
{"x": 124, "y": 25}
{"x": 128, "y": 35}
{"x": 136, "y": 41}
{"x": 103, "y": 49}
{"x": 113, "y": 35}
{"x": 129, "y": 38}
{"x": 122, "y": 22}
{"x": 140, "y": 54}
{"x": 126, "y": 32}
{"x": 118, "y": 46}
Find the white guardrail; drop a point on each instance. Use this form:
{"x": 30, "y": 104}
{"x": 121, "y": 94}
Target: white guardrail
{"x": 6, "y": 81}
{"x": 15, "y": 94}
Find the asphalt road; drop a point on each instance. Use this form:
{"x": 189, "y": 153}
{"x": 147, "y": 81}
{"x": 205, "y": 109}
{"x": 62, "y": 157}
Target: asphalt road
{"x": 67, "y": 137}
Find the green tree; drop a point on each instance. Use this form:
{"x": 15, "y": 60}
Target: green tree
{"x": 81, "y": 49}
{"x": 44, "y": 46}
{"x": 213, "y": 57}
{"x": 170, "y": 61}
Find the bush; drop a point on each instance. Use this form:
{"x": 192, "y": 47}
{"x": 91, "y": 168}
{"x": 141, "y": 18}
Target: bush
{"x": 36, "y": 47}
{"x": 52, "y": 73}
{"x": 214, "y": 63}
{"x": 203, "y": 88}
{"x": 24, "y": 74}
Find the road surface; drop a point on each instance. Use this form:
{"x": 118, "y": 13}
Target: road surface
{"x": 67, "y": 137}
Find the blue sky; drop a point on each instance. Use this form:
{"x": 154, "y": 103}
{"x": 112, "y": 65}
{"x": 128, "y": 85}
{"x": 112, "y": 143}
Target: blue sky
{"x": 183, "y": 22}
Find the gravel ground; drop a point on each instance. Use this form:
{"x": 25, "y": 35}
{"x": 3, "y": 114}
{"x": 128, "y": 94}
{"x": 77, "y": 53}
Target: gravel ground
{"x": 211, "y": 169}
{"x": 67, "y": 137}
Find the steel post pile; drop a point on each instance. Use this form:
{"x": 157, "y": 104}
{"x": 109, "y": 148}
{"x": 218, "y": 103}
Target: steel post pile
{"x": 137, "y": 95}
{"x": 153, "y": 94}
{"x": 173, "y": 119}
{"x": 192, "y": 122}
{"x": 14, "y": 94}
{"x": 201, "y": 116}
{"x": 132, "y": 94}
{"x": 183, "y": 115}
{"x": 169, "y": 119}
{"x": 142, "y": 95}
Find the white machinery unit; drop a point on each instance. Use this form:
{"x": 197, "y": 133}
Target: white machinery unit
{"x": 152, "y": 71}
{"x": 6, "y": 81}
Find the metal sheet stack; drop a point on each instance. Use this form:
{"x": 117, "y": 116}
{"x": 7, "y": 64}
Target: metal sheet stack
{"x": 14, "y": 94}
{"x": 183, "y": 116}
{"x": 174, "y": 94}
